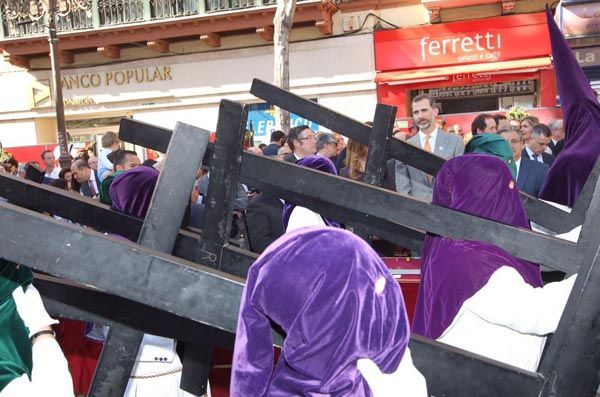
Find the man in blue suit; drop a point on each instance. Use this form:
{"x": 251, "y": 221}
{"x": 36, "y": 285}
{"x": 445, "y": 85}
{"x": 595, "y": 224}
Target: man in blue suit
{"x": 531, "y": 174}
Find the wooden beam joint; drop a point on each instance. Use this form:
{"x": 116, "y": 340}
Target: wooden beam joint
{"x": 110, "y": 51}
{"x": 265, "y": 33}
{"x": 158, "y": 45}
{"x": 19, "y": 61}
{"x": 328, "y": 8}
{"x": 66, "y": 57}
{"x": 211, "y": 39}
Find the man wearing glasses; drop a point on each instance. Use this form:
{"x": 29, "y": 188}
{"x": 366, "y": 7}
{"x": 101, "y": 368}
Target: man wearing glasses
{"x": 302, "y": 141}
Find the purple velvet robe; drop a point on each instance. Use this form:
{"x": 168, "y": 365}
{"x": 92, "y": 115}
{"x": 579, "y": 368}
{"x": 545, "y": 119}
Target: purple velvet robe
{"x": 581, "y": 114}
{"x": 319, "y": 163}
{"x": 318, "y": 284}
{"x": 454, "y": 270}
{"x": 132, "y": 191}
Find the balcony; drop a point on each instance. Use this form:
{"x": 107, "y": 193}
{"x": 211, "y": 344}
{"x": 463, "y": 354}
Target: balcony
{"x": 95, "y": 14}
{"x": 106, "y": 27}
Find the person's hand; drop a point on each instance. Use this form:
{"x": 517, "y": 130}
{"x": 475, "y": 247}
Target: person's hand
{"x": 406, "y": 378}
{"x": 31, "y": 309}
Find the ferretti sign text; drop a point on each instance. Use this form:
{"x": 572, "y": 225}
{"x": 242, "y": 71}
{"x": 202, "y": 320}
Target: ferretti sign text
{"x": 117, "y": 77}
{"x": 479, "y": 47}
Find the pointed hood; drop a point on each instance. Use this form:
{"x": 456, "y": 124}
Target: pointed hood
{"x": 581, "y": 113}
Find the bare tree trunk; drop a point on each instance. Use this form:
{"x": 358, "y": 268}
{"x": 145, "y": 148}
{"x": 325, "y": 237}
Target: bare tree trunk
{"x": 284, "y": 18}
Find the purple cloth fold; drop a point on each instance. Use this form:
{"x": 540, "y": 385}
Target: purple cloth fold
{"x": 330, "y": 310}
{"x": 319, "y": 163}
{"x": 581, "y": 114}
{"x": 454, "y": 270}
{"x": 132, "y": 191}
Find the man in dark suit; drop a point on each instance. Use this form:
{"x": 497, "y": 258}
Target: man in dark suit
{"x": 302, "y": 141}
{"x": 558, "y": 136}
{"x": 531, "y": 175}
{"x": 263, "y": 219}
{"x": 277, "y": 139}
{"x": 538, "y": 142}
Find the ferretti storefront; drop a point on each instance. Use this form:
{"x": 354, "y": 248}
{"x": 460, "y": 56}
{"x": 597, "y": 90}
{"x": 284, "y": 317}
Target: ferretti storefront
{"x": 186, "y": 88}
{"x": 489, "y": 64}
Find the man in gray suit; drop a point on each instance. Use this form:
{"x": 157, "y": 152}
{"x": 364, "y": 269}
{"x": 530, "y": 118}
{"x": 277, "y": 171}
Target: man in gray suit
{"x": 409, "y": 180}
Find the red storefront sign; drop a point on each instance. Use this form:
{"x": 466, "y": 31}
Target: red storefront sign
{"x": 486, "y": 40}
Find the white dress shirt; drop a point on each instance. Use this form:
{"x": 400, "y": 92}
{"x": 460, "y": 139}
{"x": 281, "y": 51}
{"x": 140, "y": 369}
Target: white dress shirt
{"x": 533, "y": 156}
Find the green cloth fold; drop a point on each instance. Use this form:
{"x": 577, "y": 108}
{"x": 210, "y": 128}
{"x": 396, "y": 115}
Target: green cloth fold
{"x": 15, "y": 347}
{"x": 105, "y": 187}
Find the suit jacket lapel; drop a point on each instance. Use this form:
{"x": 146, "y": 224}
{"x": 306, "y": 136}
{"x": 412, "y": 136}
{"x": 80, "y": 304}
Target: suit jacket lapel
{"x": 441, "y": 142}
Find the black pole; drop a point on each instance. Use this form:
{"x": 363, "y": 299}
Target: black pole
{"x": 65, "y": 157}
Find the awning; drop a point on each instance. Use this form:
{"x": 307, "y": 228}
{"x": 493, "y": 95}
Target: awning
{"x": 444, "y": 73}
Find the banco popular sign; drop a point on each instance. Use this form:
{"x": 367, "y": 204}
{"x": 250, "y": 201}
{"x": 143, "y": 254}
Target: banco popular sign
{"x": 117, "y": 77}
{"x": 486, "y": 40}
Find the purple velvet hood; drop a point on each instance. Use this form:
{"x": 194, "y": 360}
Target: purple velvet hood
{"x": 323, "y": 287}
{"x": 132, "y": 190}
{"x": 454, "y": 270}
{"x": 319, "y": 163}
{"x": 581, "y": 114}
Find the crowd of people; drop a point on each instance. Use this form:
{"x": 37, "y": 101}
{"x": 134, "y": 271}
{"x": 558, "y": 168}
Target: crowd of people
{"x": 327, "y": 290}
{"x": 508, "y": 157}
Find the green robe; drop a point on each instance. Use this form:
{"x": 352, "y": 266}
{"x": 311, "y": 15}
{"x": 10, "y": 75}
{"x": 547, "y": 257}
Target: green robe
{"x": 15, "y": 347}
{"x": 105, "y": 187}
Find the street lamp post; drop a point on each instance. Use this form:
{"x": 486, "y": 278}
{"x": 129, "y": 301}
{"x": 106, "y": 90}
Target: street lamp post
{"x": 65, "y": 157}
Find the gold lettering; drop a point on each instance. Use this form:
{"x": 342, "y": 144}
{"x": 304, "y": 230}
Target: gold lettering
{"x": 139, "y": 77}
{"x": 109, "y": 77}
{"x": 167, "y": 72}
{"x": 65, "y": 84}
{"x": 156, "y": 75}
{"x": 84, "y": 78}
{"x": 95, "y": 80}
{"x": 74, "y": 80}
{"x": 146, "y": 78}
{"x": 129, "y": 75}
{"x": 119, "y": 76}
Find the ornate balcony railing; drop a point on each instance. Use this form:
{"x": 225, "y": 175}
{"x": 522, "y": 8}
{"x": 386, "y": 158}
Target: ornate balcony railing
{"x": 22, "y": 18}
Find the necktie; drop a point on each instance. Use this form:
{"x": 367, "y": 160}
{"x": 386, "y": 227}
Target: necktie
{"x": 427, "y": 145}
{"x": 427, "y": 148}
{"x": 539, "y": 158}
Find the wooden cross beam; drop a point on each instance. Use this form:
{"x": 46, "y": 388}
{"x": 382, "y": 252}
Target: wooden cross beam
{"x": 336, "y": 197}
{"x": 137, "y": 275}
{"x": 537, "y": 211}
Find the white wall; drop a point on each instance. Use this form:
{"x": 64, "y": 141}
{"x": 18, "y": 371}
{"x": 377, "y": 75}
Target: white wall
{"x": 17, "y": 133}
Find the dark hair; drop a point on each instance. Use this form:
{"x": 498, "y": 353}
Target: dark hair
{"x": 44, "y": 153}
{"x": 120, "y": 155}
{"x": 262, "y": 146}
{"x": 294, "y": 134}
{"x": 63, "y": 172}
{"x": 149, "y": 163}
{"x": 541, "y": 129}
{"x": 12, "y": 161}
{"x": 421, "y": 97}
{"x": 277, "y": 135}
{"x": 479, "y": 122}
{"x": 60, "y": 183}
{"x": 497, "y": 117}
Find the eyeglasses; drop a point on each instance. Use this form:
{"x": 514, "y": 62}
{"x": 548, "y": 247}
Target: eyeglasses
{"x": 311, "y": 137}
